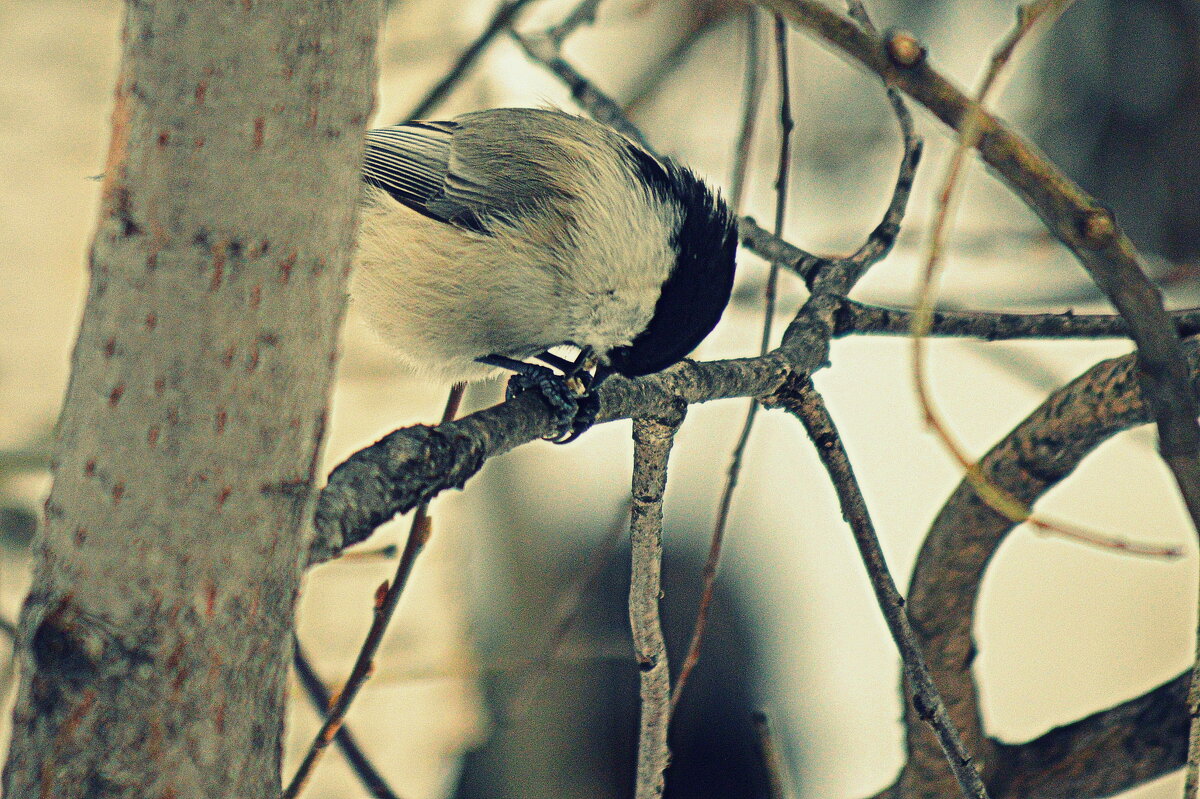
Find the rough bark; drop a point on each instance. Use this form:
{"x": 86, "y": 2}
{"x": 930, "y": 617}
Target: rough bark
{"x": 155, "y": 641}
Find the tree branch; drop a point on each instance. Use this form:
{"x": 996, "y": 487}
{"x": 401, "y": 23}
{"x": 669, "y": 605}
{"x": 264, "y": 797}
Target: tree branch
{"x": 1078, "y": 220}
{"x": 801, "y": 399}
{"x": 652, "y": 441}
{"x": 414, "y": 464}
{"x": 862, "y": 319}
{"x": 1104, "y": 754}
{"x": 1035, "y": 456}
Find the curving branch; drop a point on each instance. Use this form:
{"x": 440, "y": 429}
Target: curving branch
{"x": 1087, "y": 228}
{"x": 1039, "y": 453}
{"x": 1133, "y": 743}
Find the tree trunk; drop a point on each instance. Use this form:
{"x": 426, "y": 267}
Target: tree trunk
{"x": 154, "y": 642}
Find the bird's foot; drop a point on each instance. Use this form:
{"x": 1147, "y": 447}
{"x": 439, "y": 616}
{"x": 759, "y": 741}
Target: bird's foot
{"x": 569, "y": 394}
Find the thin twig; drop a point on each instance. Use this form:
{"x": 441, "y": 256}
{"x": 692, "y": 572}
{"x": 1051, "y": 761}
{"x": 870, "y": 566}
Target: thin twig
{"x": 861, "y": 319}
{"x": 708, "y": 575}
{"x": 751, "y": 93}
{"x": 772, "y": 759}
{"x": 652, "y": 441}
{"x": 565, "y": 612}
{"x": 969, "y": 134}
{"x": 713, "y": 561}
{"x": 837, "y": 275}
{"x": 771, "y": 248}
{"x": 506, "y": 14}
{"x": 603, "y": 108}
{"x": 800, "y": 398}
{"x": 786, "y": 125}
{"x": 387, "y": 597}
{"x": 320, "y": 698}
{"x": 848, "y": 271}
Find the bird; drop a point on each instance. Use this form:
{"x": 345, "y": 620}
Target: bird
{"x": 487, "y": 240}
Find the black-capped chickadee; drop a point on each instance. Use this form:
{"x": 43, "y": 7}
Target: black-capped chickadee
{"x": 498, "y": 235}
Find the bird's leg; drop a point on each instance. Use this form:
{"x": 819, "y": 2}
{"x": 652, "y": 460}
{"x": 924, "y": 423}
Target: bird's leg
{"x": 569, "y": 394}
{"x": 584, "y": 374}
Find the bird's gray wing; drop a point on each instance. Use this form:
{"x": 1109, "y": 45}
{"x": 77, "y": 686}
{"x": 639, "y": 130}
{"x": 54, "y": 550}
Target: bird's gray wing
{"x": 411, "y": 162}
{"x": 481, "y": 168}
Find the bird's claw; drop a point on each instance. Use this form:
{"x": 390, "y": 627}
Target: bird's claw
{"x": 575, "y": 407}
{"x": 569, "y": 395}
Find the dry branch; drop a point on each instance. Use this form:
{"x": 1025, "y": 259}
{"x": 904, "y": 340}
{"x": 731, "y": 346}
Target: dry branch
{"x": 858, "y": 318}
{"x": 1040, "y": 452}
{"x": 955, "y": 746}
{"x": 652, "y": 441}
{"x": 1078, "y": 220}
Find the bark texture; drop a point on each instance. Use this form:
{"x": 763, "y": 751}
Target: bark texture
{"x": 155, "y": 640}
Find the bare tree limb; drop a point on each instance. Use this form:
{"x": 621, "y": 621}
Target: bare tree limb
{"x": 799, "y": 398}
{"x": 856, "y": 318}
{"x": 1078, "y": 220}
{"x": 652, "y": 441}
{"x": 1035, "y": 456}
{"x": 968, "y": 137}
{"x": 505, "y": 16}
{"x": 414, "y": 464}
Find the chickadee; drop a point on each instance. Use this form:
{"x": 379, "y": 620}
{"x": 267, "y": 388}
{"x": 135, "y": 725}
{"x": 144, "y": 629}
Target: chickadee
{"x": 493, "y": 237}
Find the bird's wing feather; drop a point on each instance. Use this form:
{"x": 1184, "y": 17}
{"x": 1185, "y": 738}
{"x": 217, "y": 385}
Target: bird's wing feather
{"x": 410, "y": 162}
{"x": 470, "y": 172}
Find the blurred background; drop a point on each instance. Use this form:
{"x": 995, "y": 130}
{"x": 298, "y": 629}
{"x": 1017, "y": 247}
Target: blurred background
{"x": 508, "y": 671}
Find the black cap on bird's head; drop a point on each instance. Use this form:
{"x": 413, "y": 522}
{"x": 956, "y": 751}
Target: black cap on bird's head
{"x": 697, "y": 289}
